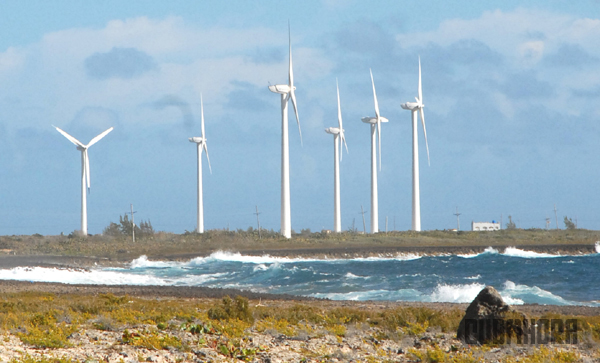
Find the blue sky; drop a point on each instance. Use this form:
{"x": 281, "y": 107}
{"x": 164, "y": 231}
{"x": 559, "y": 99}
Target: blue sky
{"x": 511, "y": 93}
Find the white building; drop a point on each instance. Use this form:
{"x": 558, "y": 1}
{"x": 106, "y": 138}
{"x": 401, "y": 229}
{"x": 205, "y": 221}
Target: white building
{"x": 485, "y": 226}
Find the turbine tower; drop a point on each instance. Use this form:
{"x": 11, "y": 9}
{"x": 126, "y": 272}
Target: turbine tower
{"x": 287, "y": 92}
{"x": 85, "y": 172}
{"x": 417, "y": 107}
{"x": 201, "y": 145}
{"x": 338, "y": 133}
{"x": 375, "y": 126}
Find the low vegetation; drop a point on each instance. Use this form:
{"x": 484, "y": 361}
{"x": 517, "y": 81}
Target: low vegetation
{"x": 226, "y": 327}
{"x": 116, "y": 244}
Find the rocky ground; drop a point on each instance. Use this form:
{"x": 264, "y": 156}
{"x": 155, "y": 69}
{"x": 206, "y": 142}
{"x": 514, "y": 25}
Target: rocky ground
{"x": 360, "y": 344}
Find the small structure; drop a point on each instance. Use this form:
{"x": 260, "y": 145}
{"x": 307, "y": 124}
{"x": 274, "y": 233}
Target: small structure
{"x": 485, "y": 226}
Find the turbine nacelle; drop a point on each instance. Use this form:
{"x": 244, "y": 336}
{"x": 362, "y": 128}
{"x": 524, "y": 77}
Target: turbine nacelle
{"x": 281, "y": 88}
{"x": 373, "y": 120}
{"x": 333, "y": 130}
{"x": 197, "y": 140}
{"x": 412, "y": 106}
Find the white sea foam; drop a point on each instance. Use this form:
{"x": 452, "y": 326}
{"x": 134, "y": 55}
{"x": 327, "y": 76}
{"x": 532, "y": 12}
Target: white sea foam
{"x": 260, "y": 267}
{"x": 476, "y": 277}
{"x": 70, "y": 276}
{"x": 597, "y": 246}
{"x": 143, "y": 262}
{"x": 487, "y": 251}
{"x": 455, "y": 293}
{"x": 515, "y": 252}
{"x": 532, "y": 295}
{"x": 398, "y": 257}
{"x": 351, "y": 276}
{"x": 403, "y": 295}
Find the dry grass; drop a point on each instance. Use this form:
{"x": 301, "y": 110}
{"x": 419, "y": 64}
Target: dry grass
{"x": 169, "y": 244}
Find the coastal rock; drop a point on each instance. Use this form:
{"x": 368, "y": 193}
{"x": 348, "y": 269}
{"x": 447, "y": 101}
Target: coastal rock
{"x": 489, "y": 319}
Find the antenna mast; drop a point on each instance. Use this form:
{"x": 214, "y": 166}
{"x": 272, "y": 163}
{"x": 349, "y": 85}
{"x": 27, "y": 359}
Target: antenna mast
{"x": 556, "y": 216}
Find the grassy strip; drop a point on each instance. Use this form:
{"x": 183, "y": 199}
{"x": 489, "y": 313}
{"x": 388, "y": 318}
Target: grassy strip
{"x": 169, "y": 244}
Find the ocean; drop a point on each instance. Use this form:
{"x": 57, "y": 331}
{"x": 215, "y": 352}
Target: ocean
{"x": 521, "y": 277}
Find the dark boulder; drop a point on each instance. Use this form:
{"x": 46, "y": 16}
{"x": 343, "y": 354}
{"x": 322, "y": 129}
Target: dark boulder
{"x": 489, "y": 319}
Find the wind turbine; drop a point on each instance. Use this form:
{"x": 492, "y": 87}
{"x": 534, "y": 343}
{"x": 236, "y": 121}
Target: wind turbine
{"x": 201, "y": 145}
{"x": 85, "y": 171}
{"x": 375, "y": 126}
{"x": 287, "y": 92}
{"x": 338, "y": 133}
{"x": 417, "y": 107}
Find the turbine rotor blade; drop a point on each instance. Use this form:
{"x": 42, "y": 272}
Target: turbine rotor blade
{"x": 87, "y": 168}
{"x": 379, "y": 139}
{"x": 425, "y": 133}
{"x": 291, "y": 83}
{"x": 420, "y": 87}
{"x": 339, "y": 106}
{"x": 202, "y": 115}
{"x": 375, "y": 96}
{"x": 97, "y": 138}
{"x": 69, "y": 137}
{"x": 205, "y": 147}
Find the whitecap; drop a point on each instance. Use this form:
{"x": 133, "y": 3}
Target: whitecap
{"x": 260, "y": 267}
{"x": 455, "y": 293}
{"x": 70, "y": 276}
{"x": 487, "y": 251}
{"x": 143, "y": 262}
{"x": 352, "y": 276}
{"x": 515, "y": 252}
{"x": 532, "y": 294}
{"x": 597, "y": 246}
{"x": 399, "y": 295}
{"x": 476, "y": 277}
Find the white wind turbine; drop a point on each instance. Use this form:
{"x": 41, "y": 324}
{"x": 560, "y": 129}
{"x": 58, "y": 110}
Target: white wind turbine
{"x": 417, "y": 107}
{"x": 338, "y": 133}
{"x": 201, "y": 145}
{"x": 287, "y": 93}
{"x": 85, "y": 171}
{"x": 375, "y": 125}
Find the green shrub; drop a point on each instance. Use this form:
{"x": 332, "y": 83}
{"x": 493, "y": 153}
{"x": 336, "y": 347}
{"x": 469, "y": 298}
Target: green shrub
{"x": 237, "y": 308}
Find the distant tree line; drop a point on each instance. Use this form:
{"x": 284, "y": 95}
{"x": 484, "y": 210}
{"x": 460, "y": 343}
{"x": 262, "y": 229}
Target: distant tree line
{"x": 124, "y": 228}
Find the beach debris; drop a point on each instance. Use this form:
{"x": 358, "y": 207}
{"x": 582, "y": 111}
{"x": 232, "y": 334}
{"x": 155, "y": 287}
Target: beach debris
{"x": 489, "y": 319}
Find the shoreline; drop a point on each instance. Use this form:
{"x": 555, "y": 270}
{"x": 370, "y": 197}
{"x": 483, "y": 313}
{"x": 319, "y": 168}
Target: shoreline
{"x": 202, "y": 293}
{"x": 61, "y": 261}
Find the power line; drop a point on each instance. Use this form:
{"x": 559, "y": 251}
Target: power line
{"x": 457, "y": 219}
{"x": 257, "y": 222}
{"x": 363, "y": 217}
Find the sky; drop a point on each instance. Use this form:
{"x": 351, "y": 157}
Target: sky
{"x": 511, "y": 92}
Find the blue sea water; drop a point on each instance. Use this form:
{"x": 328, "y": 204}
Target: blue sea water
{"x": 520, "y": 276}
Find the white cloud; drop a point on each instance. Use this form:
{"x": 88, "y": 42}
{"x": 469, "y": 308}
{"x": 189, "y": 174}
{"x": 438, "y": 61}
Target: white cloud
{"x": 11, "y": 60}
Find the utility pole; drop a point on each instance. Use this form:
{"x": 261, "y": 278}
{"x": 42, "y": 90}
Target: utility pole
{"x": 132, "y": 223}
{"x": 556, "y": 216}
{"x": 363, "y": 215}
{"x": 353, "y": 228}
{"x": 258, "y": 222}
{"x": 458, "y": 220}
